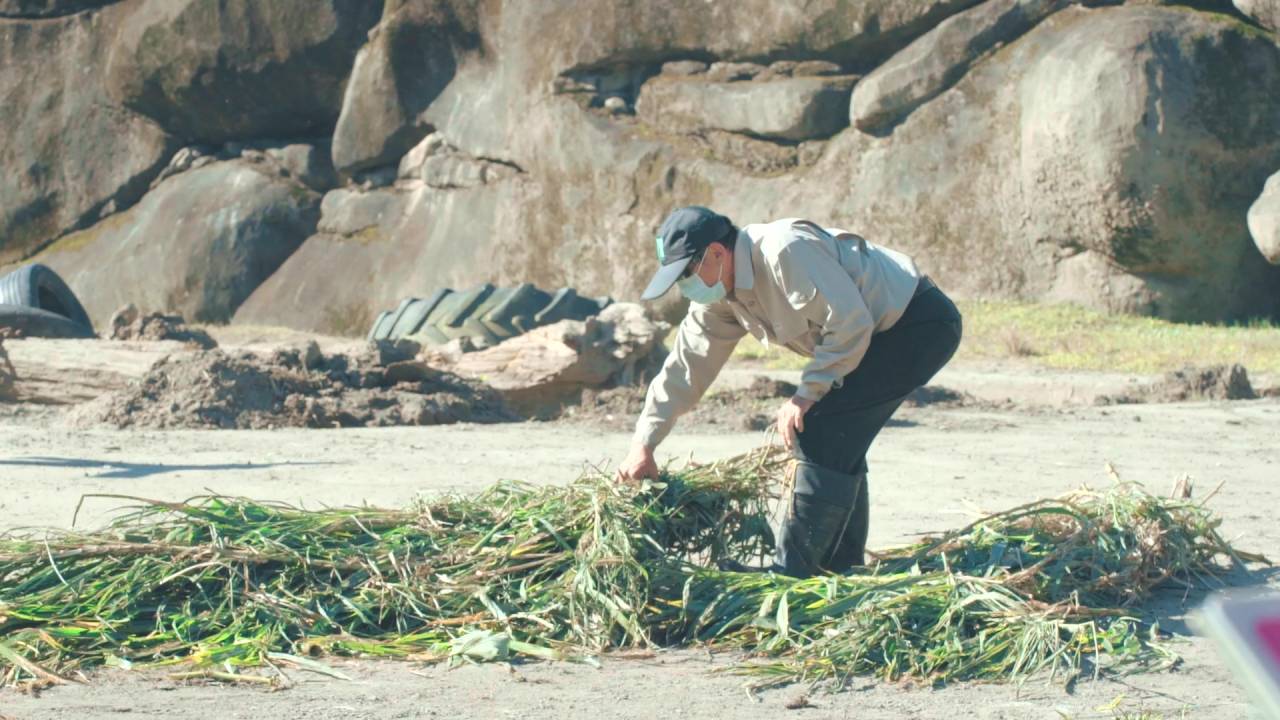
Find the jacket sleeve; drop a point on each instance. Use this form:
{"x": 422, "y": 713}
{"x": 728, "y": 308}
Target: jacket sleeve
{"x": 705, "y": 340}
{"x": 822, "y": 291}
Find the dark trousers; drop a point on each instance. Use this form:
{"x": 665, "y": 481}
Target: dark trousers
{"x": 839, "y": 428}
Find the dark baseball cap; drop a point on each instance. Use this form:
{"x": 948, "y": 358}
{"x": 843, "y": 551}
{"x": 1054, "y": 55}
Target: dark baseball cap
{"x": 683, "y": 236}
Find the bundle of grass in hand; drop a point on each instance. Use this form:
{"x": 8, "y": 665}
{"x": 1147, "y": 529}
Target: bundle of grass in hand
{"x": 220, "y": 584}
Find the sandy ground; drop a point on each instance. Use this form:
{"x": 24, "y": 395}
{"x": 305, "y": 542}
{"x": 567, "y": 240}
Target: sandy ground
{"x": 929, "y": 471}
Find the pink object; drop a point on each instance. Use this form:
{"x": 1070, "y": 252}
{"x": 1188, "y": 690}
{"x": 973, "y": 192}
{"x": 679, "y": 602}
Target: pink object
{"x": 1269, "y": 630}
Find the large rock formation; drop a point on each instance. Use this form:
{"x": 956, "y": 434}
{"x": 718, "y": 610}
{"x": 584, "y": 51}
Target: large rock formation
{"x": 67, "y": 153}
{"x": 1128, "y": 123}
{"x": 217, "y": 70}
{"x": 198, "y": 244}
{"x": 410, "y": 58}
{"x": 1102, "y": 155}
{"x": 1101, "y": 180}
{"x": 788, "y": 108}
{"x": 932, "y": 63}
{"x": 95, "y": 99}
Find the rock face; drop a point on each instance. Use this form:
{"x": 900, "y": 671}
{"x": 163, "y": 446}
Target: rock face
{"x": 218, "y": 70}
{"x": 1097, "y": 200}
{"x": 1264, "y": 220}
{"x": 410, "y": 57}
{"x": 1123, "y": 150}
{"x": 199, "y": 243}
{"x": 1265, "y": 12}
{"x": 308, "y": 164}
{"x": 796, "y": 109}
{"x": 436, "y": 163}
{"x": 1104, "y": 154}
{"x": 96, "y": 95}
{"x": 66, "y": 152}
{"x": 933, "y": 62}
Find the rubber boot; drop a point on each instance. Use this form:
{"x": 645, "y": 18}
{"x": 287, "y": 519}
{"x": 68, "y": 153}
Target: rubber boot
{"x": 822, "y": 504}
{"x": 850, "y": 548}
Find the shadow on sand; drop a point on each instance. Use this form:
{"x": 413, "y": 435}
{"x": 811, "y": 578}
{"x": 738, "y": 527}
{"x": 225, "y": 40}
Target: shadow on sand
{"x": 116, "y": 469}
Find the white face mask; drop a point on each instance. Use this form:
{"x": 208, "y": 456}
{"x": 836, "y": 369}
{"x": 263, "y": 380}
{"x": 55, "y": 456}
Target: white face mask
{"x": 698, "y": 291}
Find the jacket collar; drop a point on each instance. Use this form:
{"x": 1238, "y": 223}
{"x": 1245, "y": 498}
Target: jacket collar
{"x": 744, "y": 277}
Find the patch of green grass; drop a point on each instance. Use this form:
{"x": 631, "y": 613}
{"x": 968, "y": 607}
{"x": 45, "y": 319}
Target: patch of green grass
{"x": 1073, "y": 338}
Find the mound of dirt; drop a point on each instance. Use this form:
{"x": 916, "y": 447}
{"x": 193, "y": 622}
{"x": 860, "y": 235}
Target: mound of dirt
{"x": 129, "y": 324}
{"x": 382, "y": 386}
{"x": 1216, "y": 382}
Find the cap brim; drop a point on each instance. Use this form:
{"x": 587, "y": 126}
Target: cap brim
{"x": 666, "y": 276}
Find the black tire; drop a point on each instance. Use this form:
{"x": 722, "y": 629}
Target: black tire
{"x": 514, "y": 315}
{"x": 387, "y": 331}
{"x": 34, "y": 322}
{"x": 464, "y": 306}
{"x": 484, "y": 313}
{"x": 416, "y": 314}
{"x": 567, "y": 304}
{"x": 37, "y": 286}
{"x": 379, "y": 326}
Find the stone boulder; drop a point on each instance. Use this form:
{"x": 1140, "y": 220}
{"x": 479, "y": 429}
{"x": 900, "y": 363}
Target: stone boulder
{"x": 1264, "y": 220}
{"x": 67, "y": 153}
{"x": 1144, "y": 133}
{"x": 1264, "y": 12}
{"x": 940, "y": 57}
{"x": 216, "y": 70}
{"x": 593, "y": 50}
{"x": 600, "y": 33}
{"x": 198, "y": 244}
{"x": 795, "y": 109}
{"x": 409, "y": 59}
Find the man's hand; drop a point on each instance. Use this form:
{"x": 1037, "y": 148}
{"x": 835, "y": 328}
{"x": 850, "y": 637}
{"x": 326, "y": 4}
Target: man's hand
{"x": 791, "y": 419}
{"x": 639, "y": 464}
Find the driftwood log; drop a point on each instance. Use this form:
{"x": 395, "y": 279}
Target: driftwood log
{"x": 541, "y": 370}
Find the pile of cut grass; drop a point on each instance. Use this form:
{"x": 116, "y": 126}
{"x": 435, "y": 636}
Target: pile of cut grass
{"x": 218, "y": 585}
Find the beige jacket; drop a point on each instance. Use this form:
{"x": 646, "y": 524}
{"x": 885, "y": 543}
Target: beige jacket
{"x": 820, "y": 292}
